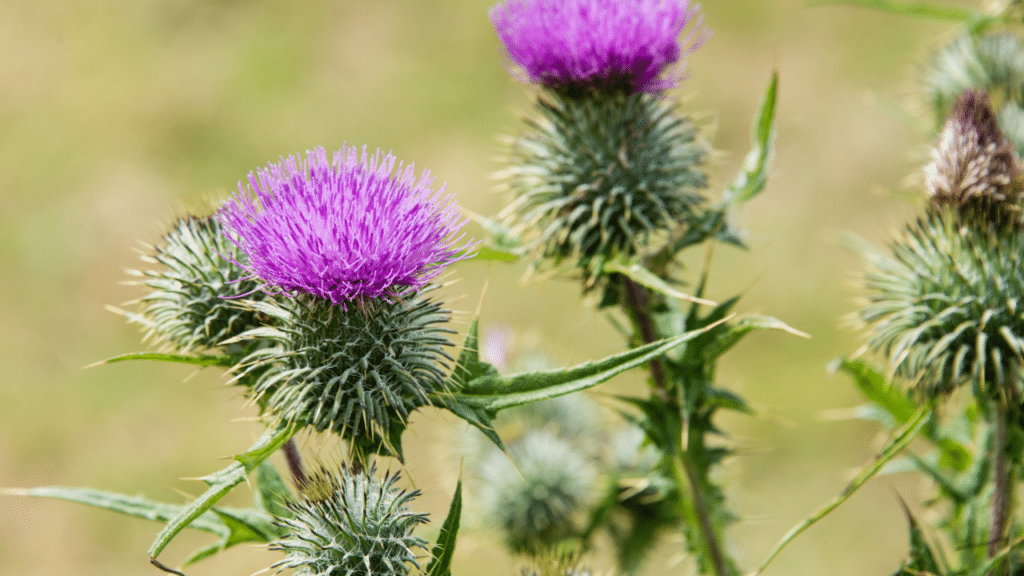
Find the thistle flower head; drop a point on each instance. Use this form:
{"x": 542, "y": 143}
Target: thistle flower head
{"x": 974, "y": 168}
{"x": 947, "y": 308}
{"x": 606, "y": 44}
{"x": 340, "y": 229}
{"x": 351, "y": 524}
{"x": 192, "y": 304}
{"x": 358, "y": 371}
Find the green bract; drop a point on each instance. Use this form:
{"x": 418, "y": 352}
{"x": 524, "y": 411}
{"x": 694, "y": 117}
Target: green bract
{"x": 194, "y": 303}
{"x": 358, "y": 370}
{"x": 946, "y": 308}
{"x": 598, "y": 174}
{"x": 351, "y": 524}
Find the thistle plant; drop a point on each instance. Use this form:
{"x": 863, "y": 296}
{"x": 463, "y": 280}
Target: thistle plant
{"x": 317, "y": 285}
{"x": 607, "y": 184}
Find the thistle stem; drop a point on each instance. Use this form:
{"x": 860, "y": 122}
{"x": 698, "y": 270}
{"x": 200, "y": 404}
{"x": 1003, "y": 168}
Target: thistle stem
{"x": 636, "y": 302}
{"x": 294, "y": 460}
{"x": 1001, "y": 497}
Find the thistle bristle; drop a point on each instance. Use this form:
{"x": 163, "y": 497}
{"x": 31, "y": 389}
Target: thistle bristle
{"x": 596, "y": 176}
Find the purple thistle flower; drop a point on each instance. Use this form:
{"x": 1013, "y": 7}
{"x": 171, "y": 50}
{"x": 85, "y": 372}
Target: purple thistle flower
{"x": 353, "y": 227}
{"x": 572, "y": 44}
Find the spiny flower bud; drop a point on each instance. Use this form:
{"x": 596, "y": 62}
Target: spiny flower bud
{"x": 358, "y": 371}
{"x": 537, "y": 498}
{"x": 350, "y": 524}
{"x": 596, "y": 177}
{"x": 948, "y": 307}
{"x": 974, "y": 168}
{"x": 572, "y": 46}
{"x": 192, "y": 305}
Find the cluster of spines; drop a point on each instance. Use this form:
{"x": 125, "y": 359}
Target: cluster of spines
{"x": 601, "y": 174}
{"x": 193, "y": 304}
{"x": 948, "y": 308}
{"x": 350, "y": 523}
{"x": 358, "y": 371}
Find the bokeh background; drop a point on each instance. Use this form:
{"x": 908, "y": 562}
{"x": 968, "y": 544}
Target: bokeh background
{"x": 116, "y": 115}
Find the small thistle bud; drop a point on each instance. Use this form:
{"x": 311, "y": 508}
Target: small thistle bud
{"x": 974, "y": 168}
{"x": 947, "y": 308}
{"x": 192, "y": 305}
{"x": 596, "y": 177}
{"x": 572, "y": 46}
{"x": 537, "y": 497}
{"x": 358, "y": 371}
{"x": 350, "y": 524}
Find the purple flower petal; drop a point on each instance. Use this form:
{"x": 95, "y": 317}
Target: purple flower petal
{"x": 343, "y": 229}
{"x": 602, "y": 43}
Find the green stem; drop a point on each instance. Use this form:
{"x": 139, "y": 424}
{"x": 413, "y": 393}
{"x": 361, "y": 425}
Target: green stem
{"x": 637, "y": 301}
{"x": 1001, "y": 497}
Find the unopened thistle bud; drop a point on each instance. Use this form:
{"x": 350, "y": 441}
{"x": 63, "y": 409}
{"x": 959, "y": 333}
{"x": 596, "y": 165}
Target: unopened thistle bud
{"x": 947, "y": 309}
{"x": 974, "y": 169}
{"x": 355, "y": 243}
{"x": 193, "y": 304}
{"x": 537, "y": 498}
{"x": 351, "y": 524}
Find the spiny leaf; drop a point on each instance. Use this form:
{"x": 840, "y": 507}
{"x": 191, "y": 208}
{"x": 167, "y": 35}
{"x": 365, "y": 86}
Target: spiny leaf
{"x": 221, "y": 483}
{"x": 197, "y": 360}
{"x": 876, "y": 388}
{"x": 896, "y": 445}
{"x": 494, "y": 392}
{"x": 648, "y": 279}
{"x": 444, "y": 550}
{"x": 917, "y": 9}
{"x": 752, "y": 178}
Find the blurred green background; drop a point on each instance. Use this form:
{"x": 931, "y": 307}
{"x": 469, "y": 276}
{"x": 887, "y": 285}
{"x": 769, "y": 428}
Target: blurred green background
{"x": 115, "y": 115}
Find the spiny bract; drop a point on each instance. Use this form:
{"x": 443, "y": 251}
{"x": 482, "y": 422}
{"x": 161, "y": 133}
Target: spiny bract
{"x": 351, "y": 524}
{"x": 597, "y": 176}
{"x": 357, "y": 371}
{"x": 948, "y": 307}
{"x": 194, "y": 303}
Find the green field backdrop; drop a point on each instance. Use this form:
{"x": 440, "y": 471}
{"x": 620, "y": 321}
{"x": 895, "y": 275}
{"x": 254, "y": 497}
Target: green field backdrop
{"x": 116, "y": 115}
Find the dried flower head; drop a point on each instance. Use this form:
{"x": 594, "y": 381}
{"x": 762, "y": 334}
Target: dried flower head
{"x": 974, "y": 168}
{"x": 350, "y": 524}
{"x": 192, "y": 305}
{"x": 354, "y": 226}
{"x": 608, "y": 44}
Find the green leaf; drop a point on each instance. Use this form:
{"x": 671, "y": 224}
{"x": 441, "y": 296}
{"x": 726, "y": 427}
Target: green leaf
{"x": 916, "y": 9}
{"x": 221, "y": 483}
{"x": 648, "y": 279}
{"x": 247, "y": 526}
{"x": 729, "y": 336}
{"x": 752, "y": 178}
{"x": 469, "y": 366}
{"x": 923, "y": 560}
{"x": 135, "y": 506}
{"x": 899, "y": 441}
{"x": 493, "y": 254}
{"x": 197, "y": 360}
{"x": 493, "y": 392}
{"x": 444, "y": 550}
{"x": 876, "y": 388}
{"x": 270, "y": 492}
